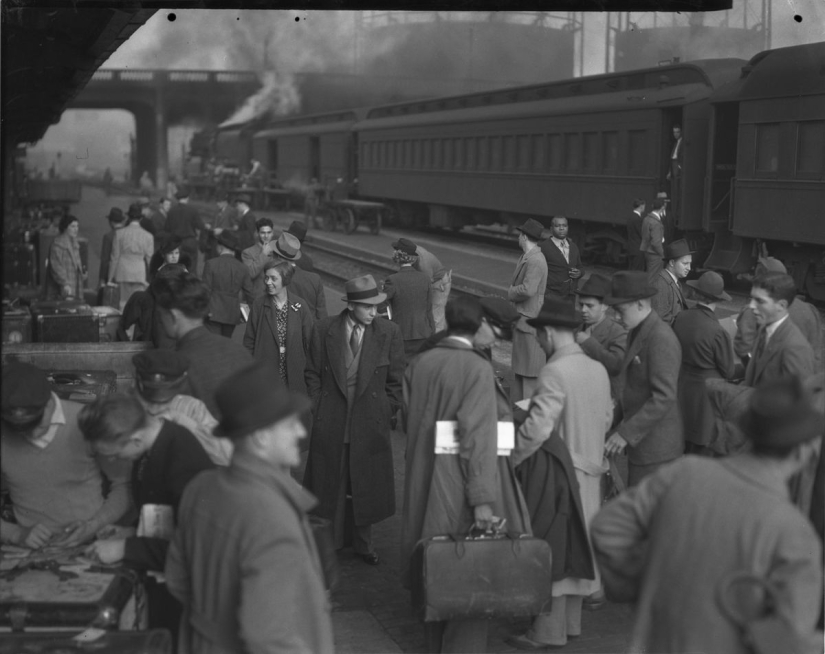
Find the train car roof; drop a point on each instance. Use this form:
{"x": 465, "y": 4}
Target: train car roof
{"x": 306, "y": 128}
{"x": 321, "y": 122}
{"x": 710, "y": 73}
{"x": 792, "y": 71}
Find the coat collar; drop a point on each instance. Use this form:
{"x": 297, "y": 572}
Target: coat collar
{"x": 759, "y": 472}
{"x": 248, "y": 466}
{"x": 565, "y": 351}
{"x": 638, "y": 336}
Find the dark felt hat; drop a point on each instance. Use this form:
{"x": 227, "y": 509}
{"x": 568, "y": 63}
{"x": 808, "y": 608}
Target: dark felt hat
{"x": 532, "y": 228}
{"x": 595, "y": 286}
{"x": 770, "y": 264}
{"x": 364, "y": 290}
{"x": 557, "y": 313}
{"x": 629, "y": 285}
{"x": 404, "y": 245}
{"x": 115, "y": 216}
{"x": 228, "y": 239}
{"x": 711, "y": 285}
{"x": 244, "y": 197}
{"x": 288, "y": 247}
{"x": 24, "y": 387}
{"x": 169, "y": 243}
{"x": 160, "y": 374}
{"x": 254, "y": 398}
{"x": 182, "y": 192}
{"x": 499, "y": 311}
{"x": 677, "y": 250}
{"x": 298, "y": 230}
{"x": 135, "y": 212}
{"x": 782, "y": 414}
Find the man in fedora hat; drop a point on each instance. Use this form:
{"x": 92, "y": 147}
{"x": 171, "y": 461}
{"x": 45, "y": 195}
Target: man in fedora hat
{"x": 573, "y": 401}
{"x": 304, "y": 284}
{"x": 563, "y": 260}
{"x": 185, "y": 222}
{"x": 256, "y": 256}
{"x": 672, "y": 542}
{"x": 299, "y": 231}
{"x": 247, "y": 221}
{"x": 653, "y": 238}
{"x": 669, "y": 299}
{"x": 781, "y": 349}
{"x": 226, "y": 278}
{"x": 409, "y": 295}
{"x": 707, "y": 353}
{"x": 353, "y": 376}
{"x": 651, "y": 427}
{"x": 243, "y": 561}
{"x": 526, "y": 292}
{"x": 600, "y": 336}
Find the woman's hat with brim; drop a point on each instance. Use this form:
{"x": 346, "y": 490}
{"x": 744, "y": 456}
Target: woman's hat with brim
{"x": 782, "y": 414}
{"x": 254, "y": 398}
{"x": 404, "y": 245}
{"x": 169, "y": 244}
{"x": 628, "y": 286}
{"x": 711, "y": 285}
{"x": 532, "y": 228}
{"x": 363, "y": 290}
{"x": 595, "y": 286}
{"x": 288, "y": 247}
{"x": 557, "y": 313}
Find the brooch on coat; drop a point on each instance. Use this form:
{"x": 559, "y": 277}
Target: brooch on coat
{"x": 295, "y": 306}
{"x": 636, "y": 359}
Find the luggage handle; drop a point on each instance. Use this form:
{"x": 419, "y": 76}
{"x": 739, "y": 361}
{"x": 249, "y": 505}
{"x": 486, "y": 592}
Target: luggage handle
{"x": 460, "y": 539}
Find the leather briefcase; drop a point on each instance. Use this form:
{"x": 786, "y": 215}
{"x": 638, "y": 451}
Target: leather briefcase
{"x": 507, "y": 575}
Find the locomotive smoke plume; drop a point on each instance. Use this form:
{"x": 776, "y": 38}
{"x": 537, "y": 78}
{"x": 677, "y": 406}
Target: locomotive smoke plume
{"x": 277, "y": 97}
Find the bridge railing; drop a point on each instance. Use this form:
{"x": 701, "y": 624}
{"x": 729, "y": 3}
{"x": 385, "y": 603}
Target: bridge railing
{"x": 132, "y": 75}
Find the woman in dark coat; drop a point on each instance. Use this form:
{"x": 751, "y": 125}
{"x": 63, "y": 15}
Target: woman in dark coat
{"x": 280, "y": 326}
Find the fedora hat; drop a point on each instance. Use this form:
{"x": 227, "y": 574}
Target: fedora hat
{"x": 595, "y": 286}
{"x": 627, "y": 286}
{"x": 244, "y": 197}
{"x": 677, "y": 250}
{"x": 228, "y": 240}
{"x": 770, "y": 264}
{"x": 711, "y": 285}
{"x": 557, "y": 313}
{"x": 782, "y": 414}
{"x": 253, "y": 398}
{"x": 182, "y": 192}
{"x": 363, "y": 290}
{"x": 404, "y": 245}
{"x": 532, "y": 228}
{"x": 288, "y": 247}
{"x": 298, "y": 229}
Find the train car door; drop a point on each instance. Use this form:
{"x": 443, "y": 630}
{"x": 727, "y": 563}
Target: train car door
{"x": 721, "y": 167}
{"x": 672, "y": 159}
{"x": 314, "y": 157}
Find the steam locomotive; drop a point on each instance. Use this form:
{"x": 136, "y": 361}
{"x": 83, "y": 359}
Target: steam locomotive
{"x": 752, "y": 178}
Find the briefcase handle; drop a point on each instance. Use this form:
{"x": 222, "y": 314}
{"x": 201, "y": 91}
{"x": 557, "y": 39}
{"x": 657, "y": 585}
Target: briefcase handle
{"x": 473, "y": 536}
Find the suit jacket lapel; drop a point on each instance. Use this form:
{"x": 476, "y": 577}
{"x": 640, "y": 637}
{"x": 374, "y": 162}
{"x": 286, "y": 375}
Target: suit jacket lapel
{"x": 371, "y": 346}
{"x": 636, "y": 341}
{"x": 269, "y": 317}
{"x": 335, "y": 351}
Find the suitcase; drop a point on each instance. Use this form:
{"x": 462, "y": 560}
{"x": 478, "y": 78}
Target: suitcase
{"x": 109, "y": 320}
{"x": 64, "y": 321}
{"x": 17, "y": 325}
{"x": 19, "y": 265}
{"x": 157, "y": 641}
{"x": 109, "y": 296}
{"x": 82, "y": 385}
{"x": 65, "y": 594}
{"x": 481, "y": 577}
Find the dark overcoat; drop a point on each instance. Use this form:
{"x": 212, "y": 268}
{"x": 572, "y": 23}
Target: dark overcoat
{"x": 410, "y": 295}
{"x": 559, "y": 281}
{"x": 377, "y": 397}
{"x": 261, "y": 336}
{"x": 669, "y": 299}
{"x": 227, "y": 278}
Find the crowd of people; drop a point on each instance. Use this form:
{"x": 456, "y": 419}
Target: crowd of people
{"x": 635, "y": 369}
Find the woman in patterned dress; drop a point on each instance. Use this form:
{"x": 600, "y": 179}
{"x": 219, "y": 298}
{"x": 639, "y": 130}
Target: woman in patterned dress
{"x": 280, "y": 326}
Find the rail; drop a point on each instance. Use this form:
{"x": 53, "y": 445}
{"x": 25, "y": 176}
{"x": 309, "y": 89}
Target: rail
{"x": 138, "y": 76}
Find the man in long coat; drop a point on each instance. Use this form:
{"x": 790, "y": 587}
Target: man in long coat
{"x": 669, "y": 299}
{"x": 353, "y": 376}
{"x": 673, "y": 543}
{"x": 526, "y": 292}
{"x": 573, "y": 401}
{"x": 651, "y": 426}
{"x": 707, "y": 353}
{"x": 448, "y": 493}
{"x": 226, "y": 278}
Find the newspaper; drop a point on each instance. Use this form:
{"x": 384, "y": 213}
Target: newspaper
{"x": 446, "y": 437}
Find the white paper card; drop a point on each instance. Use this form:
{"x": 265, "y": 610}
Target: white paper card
{"x": 524, "y": 404}
{"x": 156, "y": 521}
{"x": 446, "y": 437}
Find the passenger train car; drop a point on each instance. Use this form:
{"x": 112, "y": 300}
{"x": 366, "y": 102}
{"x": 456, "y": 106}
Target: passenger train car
{"x": 753, "y": 169}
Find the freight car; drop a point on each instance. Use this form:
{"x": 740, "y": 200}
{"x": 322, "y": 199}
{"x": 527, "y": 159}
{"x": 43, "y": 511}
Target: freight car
{"x": 752, "y": 171}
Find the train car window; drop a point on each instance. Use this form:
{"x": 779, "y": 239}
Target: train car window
{"x": 417, "y": 154}
{"x": 610, "y": 152}
{"x": 495, "y": 153}
{"x": 428, "y": 154}
{"x": 524, "y": 154}
{"x": 458, "y": 149}
{"x": 483, "y": 153}
{"x": 509, "y": 153}
{"x": 590, "y": 151}
{"x": 408, "y": 154}
{"x": 448, "y": 154}
{"x": 810, "y": 152}
{"x": 554, "y": 151}
{"x": 767, "y": 148}
{"x": 472, "y": 153}
{"x": 538, "y": 151}
{"x": 437, "y": 162}
{"x": 572, "y": 152}
{"x": 637, "y": 151}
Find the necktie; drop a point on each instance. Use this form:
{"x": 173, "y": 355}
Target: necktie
{"x": 354, "y": 341}
{"x": 565, "y": 250}
{"x": 760, "y": 344}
